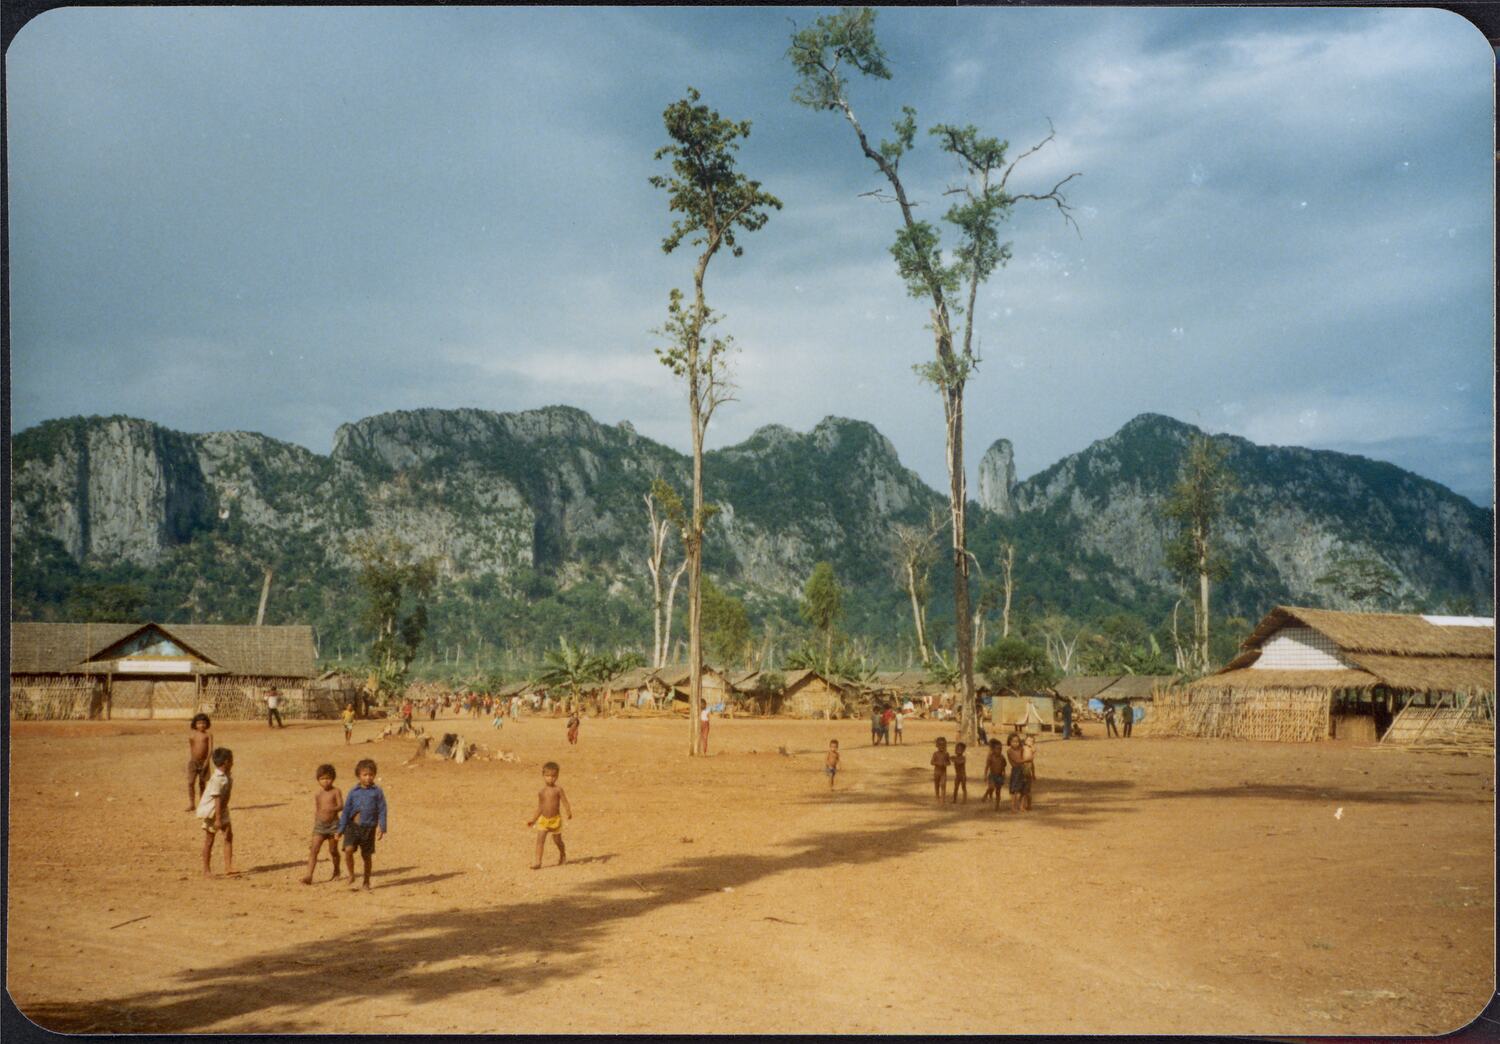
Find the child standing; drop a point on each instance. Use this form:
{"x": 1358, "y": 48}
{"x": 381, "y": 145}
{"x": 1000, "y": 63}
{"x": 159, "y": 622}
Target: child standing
{"x": 960, "y": 774}
{"x": 897, "y": 719}
{"x": 363, "y": 820}
{"x": 547, "y": 819}
{"x": 348, "y": 716}
{"x": 213, "y": 810}
{"x": 328, "y": 802}
{"x": 200, "y": 749}
{"x": 940, "y": 762}
{"x": 573, "y": 722}
{"x": 994, "y": 772}
{"x": 831, "y": 762}
{"x": 1020, "y": 782}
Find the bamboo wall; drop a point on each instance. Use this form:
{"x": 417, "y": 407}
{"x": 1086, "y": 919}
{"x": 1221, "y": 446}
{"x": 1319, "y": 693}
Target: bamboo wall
{"x": 55, "y": 698}
{"x": 1286, "y": 715}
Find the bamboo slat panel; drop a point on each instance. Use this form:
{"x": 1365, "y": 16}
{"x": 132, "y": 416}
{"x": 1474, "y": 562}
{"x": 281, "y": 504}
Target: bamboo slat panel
{"x": 1285, "y": 715}
{"x": 52, "y": 701}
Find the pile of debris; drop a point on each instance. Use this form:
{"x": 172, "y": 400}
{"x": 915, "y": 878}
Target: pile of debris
{"x": 454, "y": 748}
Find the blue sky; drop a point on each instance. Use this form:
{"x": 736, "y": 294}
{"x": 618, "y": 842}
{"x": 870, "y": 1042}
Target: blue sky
{"x": 280, "y": 220}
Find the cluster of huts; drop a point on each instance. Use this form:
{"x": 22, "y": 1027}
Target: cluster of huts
{"x": 1302, "y": 674}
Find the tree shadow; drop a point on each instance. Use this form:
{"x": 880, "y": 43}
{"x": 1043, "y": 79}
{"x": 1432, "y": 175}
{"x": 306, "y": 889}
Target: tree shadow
{"x": 1372, "y": 795}
{"x": 257, "y": 808}
{"x": 420, "y": 958}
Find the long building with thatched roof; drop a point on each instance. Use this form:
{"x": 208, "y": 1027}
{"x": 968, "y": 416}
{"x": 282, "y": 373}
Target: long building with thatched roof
{"x": 1309, "y": 674}
{"x": 155, "y": 670}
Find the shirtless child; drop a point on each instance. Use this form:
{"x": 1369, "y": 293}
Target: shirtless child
{"x": 940, "y": 763}
{"x": 1020, "y": 779}
{"x": 328, "y": 802}
{"x": 547, "y": 819}
{"x": 213, "y": 810}
{"x": 960, "y": 773}
{"x": 994, "y": 771}
{"x": 200, "y": 746}
{"x": 831, "y": 762}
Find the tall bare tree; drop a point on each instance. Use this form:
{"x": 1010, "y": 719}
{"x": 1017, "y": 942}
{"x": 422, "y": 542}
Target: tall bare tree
{"x": 821, "y": 55}
{"x": 1196, "y": 503}
{"x": 712, "y": 201}
{"x": 1007, "y": 580}
{"x": 674, "y": 517}
{"x": 914, "y": 558}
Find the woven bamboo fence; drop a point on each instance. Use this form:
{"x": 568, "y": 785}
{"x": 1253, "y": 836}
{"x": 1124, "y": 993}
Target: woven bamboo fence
{"x": 235, "y": 698}
{"x": 55, "y": 699}
{"x": 1285, "y": 715}
{"x": 1465, "y": 726}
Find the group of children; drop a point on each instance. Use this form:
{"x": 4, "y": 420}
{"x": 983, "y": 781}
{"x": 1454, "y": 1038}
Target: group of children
{"x": 359, "y": 821}
{"x": 1018, "y": 754}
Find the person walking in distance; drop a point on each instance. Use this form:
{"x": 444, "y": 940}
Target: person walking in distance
{"x": 273, "y": 709}
{"x": 703, "y": 716}
{"x": 1127, "y": 718}
{"x": 1109, "y": 720}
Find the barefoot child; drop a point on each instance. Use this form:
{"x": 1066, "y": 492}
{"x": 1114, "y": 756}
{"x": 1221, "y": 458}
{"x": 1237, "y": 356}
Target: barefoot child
{"x": 573, "y": 722}
{"x": 547, "y": 819}
{"x": 200, "y": 747}
{"x": 348, "y": 715}
{"x": 831, "y": 762}
{"x": 1020, "y": 783}
{"x": 940, "y": 762}
{"x": 994, "y": 771}
{"x": 213, "y": 810}
{"x": 363, "y": 820}
{"x": 328, "y": 802}
{"x": 960, "y": 774}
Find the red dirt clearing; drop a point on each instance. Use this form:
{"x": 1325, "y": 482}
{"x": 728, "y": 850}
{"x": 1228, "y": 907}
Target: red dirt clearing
{"x": 1158, "y": 886}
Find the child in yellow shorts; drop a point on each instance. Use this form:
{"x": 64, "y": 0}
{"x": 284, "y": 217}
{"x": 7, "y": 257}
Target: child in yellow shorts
{"x": 551, "y": 802}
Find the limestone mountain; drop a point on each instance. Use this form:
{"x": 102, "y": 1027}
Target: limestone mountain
{"x": 537, "y": 522}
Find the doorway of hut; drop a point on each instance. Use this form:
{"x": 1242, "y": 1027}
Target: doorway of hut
{"x": 1362, "y": 715}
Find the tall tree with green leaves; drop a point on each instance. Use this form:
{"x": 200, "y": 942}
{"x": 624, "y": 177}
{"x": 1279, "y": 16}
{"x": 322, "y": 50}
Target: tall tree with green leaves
{"x": 397, "y": 585}
{"x": 822, "y": 54}
{"x": 823, "y": 604}
{"x": 726, "y": 626}
{"x": 713, "y": 203}
{"x": 1195, "y": 505}
{"x": 1362, "y": 582}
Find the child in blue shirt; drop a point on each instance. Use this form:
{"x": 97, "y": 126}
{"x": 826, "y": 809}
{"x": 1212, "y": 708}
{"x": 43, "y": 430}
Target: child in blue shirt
{"x": 363, "y": 820}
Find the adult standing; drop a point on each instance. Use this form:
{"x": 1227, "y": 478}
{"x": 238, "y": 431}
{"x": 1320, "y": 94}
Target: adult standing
{"x": 1127, "y": 717}
{"x": 703, "y": 716}
{"x": 1109, "y": 720}
{"x": 273, "y": 709}
{"x": 874, "y": 724}
{"x": 1067, "y": 716}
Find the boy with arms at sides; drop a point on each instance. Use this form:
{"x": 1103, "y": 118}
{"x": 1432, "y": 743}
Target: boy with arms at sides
{"x": 363, "y": 821}
{"x": 348, "y": 715}
{"x": 940, "y": 763}
{"x": 328, "y": 802}
{"x": 213, "y": 810}
{"x": 200, "y": 749}
{"x": 547, "y": 819}
{"x": 960, "y": 773}
{"x": 831, "y": 762}
{"x": 994, "y": 772}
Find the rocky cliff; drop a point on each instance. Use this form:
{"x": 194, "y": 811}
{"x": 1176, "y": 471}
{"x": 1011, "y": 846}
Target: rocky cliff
{"x": 505, "y": 497}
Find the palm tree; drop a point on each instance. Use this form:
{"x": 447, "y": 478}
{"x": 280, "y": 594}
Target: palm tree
{"x": 572, "y": 666}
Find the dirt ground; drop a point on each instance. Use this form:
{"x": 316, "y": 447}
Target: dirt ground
{"x": 1157, "y": 886}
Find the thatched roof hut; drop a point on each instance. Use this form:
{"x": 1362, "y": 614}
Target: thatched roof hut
{"x": 1307, "y": 674}
{"x": 155, "y": 670}
{"x": 809, "y": 694}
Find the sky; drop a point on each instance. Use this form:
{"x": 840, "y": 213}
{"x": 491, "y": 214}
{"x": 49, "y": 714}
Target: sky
{"x": 284, "y": 219}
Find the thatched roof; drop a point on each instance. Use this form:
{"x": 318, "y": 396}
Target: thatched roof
{"x": 1248, "y": 678}
{"x": 1398, "y": 650}
{"x": 634, "y": 678}
{"x": 68, "y": 648}
{"x": 1080, "y": 688}
{"x": 1136, "y": 686}
{"x": 678, "y": 675}
{"x": 796, "y": 679}
{"x": 905, "y": 682}
{"x": 748, "y": 681}
{"x": 1395, "y": 634}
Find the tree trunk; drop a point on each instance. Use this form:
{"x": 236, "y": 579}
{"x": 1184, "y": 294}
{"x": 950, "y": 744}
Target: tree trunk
{"x": 666, "y": 637}
{"x": 916, "y": 611}
{"x": 265, "y": 593}
{"x": 1010, "y": 561}
{"x": 957, "y": 498}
